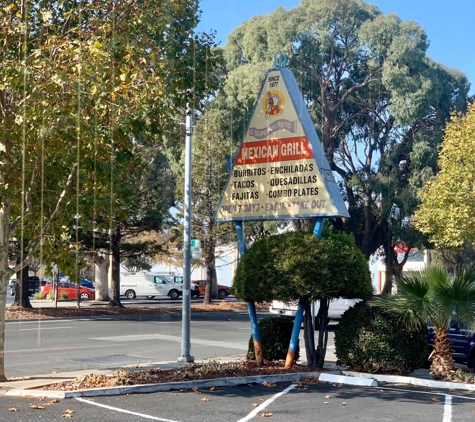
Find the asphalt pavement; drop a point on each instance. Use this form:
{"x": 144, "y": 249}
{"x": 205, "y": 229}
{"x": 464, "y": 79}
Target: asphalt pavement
{"x": 15, "y": 391}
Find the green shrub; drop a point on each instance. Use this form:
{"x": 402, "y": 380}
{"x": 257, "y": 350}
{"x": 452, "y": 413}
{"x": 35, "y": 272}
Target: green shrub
{"x": 275, "y": 337}
{"x": 63, "y": 295}
{"x": 368, "y": 340}
{"x": 50, "y": 296}
{"x": 37, "y": 296}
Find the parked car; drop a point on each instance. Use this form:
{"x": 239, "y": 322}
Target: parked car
{"x": 149, "y": 285}
{"x": 87, "y": 283}
{"x": 70, "y": 289}
{"x": 223, "y": 291}
{"x": 194, "y": 288}
{"x": 335, "y": 311}
{"x": 34, "y": 285}
{"x": 462, "y": 342}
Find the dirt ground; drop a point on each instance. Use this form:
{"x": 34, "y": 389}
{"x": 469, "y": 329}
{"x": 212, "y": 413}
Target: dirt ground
{"x": 61, "y": 312}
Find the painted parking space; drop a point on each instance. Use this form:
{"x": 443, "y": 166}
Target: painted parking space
{"x": 279, "y": 402}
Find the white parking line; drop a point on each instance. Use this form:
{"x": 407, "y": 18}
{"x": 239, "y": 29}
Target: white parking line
{"x": 176, "y": 339}
{"x": 116, "y": 409}
{"x": 447, "y": 404}
{"x": 447, "y": 409}
{"x": 43, "y": 328}
{"x": 266, "y": 403}
{"x": 42, "y": 321}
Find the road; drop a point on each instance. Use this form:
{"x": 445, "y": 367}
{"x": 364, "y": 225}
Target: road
{"x": 43, "y": 346}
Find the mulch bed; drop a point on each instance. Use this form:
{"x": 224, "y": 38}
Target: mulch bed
{"x": 192, "y": 372}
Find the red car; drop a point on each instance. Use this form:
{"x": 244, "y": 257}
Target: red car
{"x": 71, "y": 290}
{"x": 223, "y": 291}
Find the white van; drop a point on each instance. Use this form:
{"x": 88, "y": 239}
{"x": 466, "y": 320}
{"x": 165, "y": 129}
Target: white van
{"x": 335, "y": 310}
{"x": 149, "y": 285}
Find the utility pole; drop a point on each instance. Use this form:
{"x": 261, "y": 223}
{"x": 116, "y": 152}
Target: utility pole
{"x": 186, "y": 299}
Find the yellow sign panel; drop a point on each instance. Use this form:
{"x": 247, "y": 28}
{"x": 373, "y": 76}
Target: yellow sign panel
{"x": 275, "y": 174}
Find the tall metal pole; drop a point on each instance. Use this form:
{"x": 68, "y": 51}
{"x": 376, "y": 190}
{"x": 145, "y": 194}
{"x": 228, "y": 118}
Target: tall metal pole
{"x": 186, "y": 302}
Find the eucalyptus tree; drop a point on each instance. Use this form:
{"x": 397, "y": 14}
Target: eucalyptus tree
{"x": 378, "y": 101}
{"x": 79, "y": 82}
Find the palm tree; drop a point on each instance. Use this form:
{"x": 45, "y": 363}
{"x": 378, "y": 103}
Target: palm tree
{"x": 434, "y": 297}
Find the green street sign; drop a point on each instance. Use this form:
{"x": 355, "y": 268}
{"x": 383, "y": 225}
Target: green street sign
{"x": 195, "y": 249}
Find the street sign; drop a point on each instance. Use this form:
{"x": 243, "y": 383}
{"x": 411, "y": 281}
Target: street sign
{"x": 195, "y": 249}
{"x": 280, "y": 171}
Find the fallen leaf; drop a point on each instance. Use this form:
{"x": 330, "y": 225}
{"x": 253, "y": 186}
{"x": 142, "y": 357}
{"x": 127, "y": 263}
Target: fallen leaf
{"x": 328, "y": 396}
{"x": 266, "y": 415}
{"x": 472, "y": 411}
{"x": 34, "y": 406}
{"x": 67, "y": 415}
{"x": 269, "y": 384}
{"x": 435, "y": 399}
{"x": 14, "y": 409}
{"x": 69, "y": 411}
{"x": 204, "y": 399}
{"x": 212, "y": 389}
{"x": 53, "y": 401}
{"x": 54, "y": 372}
{"x": 255, "y": 404}
{"x": 343, "y": 403}
{"x": 196, "y": 390}
{"x": 326, "y": 402}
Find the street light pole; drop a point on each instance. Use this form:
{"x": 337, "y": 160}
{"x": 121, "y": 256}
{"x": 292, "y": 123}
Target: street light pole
{"x": 186, "y": 300}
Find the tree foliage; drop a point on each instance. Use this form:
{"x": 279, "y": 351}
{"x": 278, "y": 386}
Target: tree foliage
{"x": 296, "y": 265}
{"x": 447, "y": 205}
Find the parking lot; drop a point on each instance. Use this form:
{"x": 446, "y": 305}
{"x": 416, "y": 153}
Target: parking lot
{"x": 280, "y": 403}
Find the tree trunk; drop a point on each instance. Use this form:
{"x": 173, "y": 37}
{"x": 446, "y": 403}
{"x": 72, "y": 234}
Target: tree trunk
{"x": 115, "y": 246}
{"x": 101, "y": 270}
{"x": 442, "y": 362}
{"x": 309, "y": 336}
{"x": 322, "y": 332}
{"x": 305, "y": 224}
{"x": 4, "y": 277}
{"x": 388, "y": 260}
{"x": 211, "y": 291}
{"x": 22, "y": 300}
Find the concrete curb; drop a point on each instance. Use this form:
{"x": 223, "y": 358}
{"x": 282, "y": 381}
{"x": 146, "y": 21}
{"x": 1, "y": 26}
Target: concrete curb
{"x": 348, "y": 380}
{"x": 217, "y": 382}
{"x": 421, "y": 382}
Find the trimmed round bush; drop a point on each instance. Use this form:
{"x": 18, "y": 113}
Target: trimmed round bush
{"x": 275, "y": 337}
{"x": 368, "y": 340}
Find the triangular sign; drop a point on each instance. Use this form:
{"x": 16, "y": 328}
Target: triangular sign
{"x": 280, "y": 171}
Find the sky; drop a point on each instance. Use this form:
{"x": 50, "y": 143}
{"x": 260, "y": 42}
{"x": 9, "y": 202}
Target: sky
{"x": 449, "y": 25}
